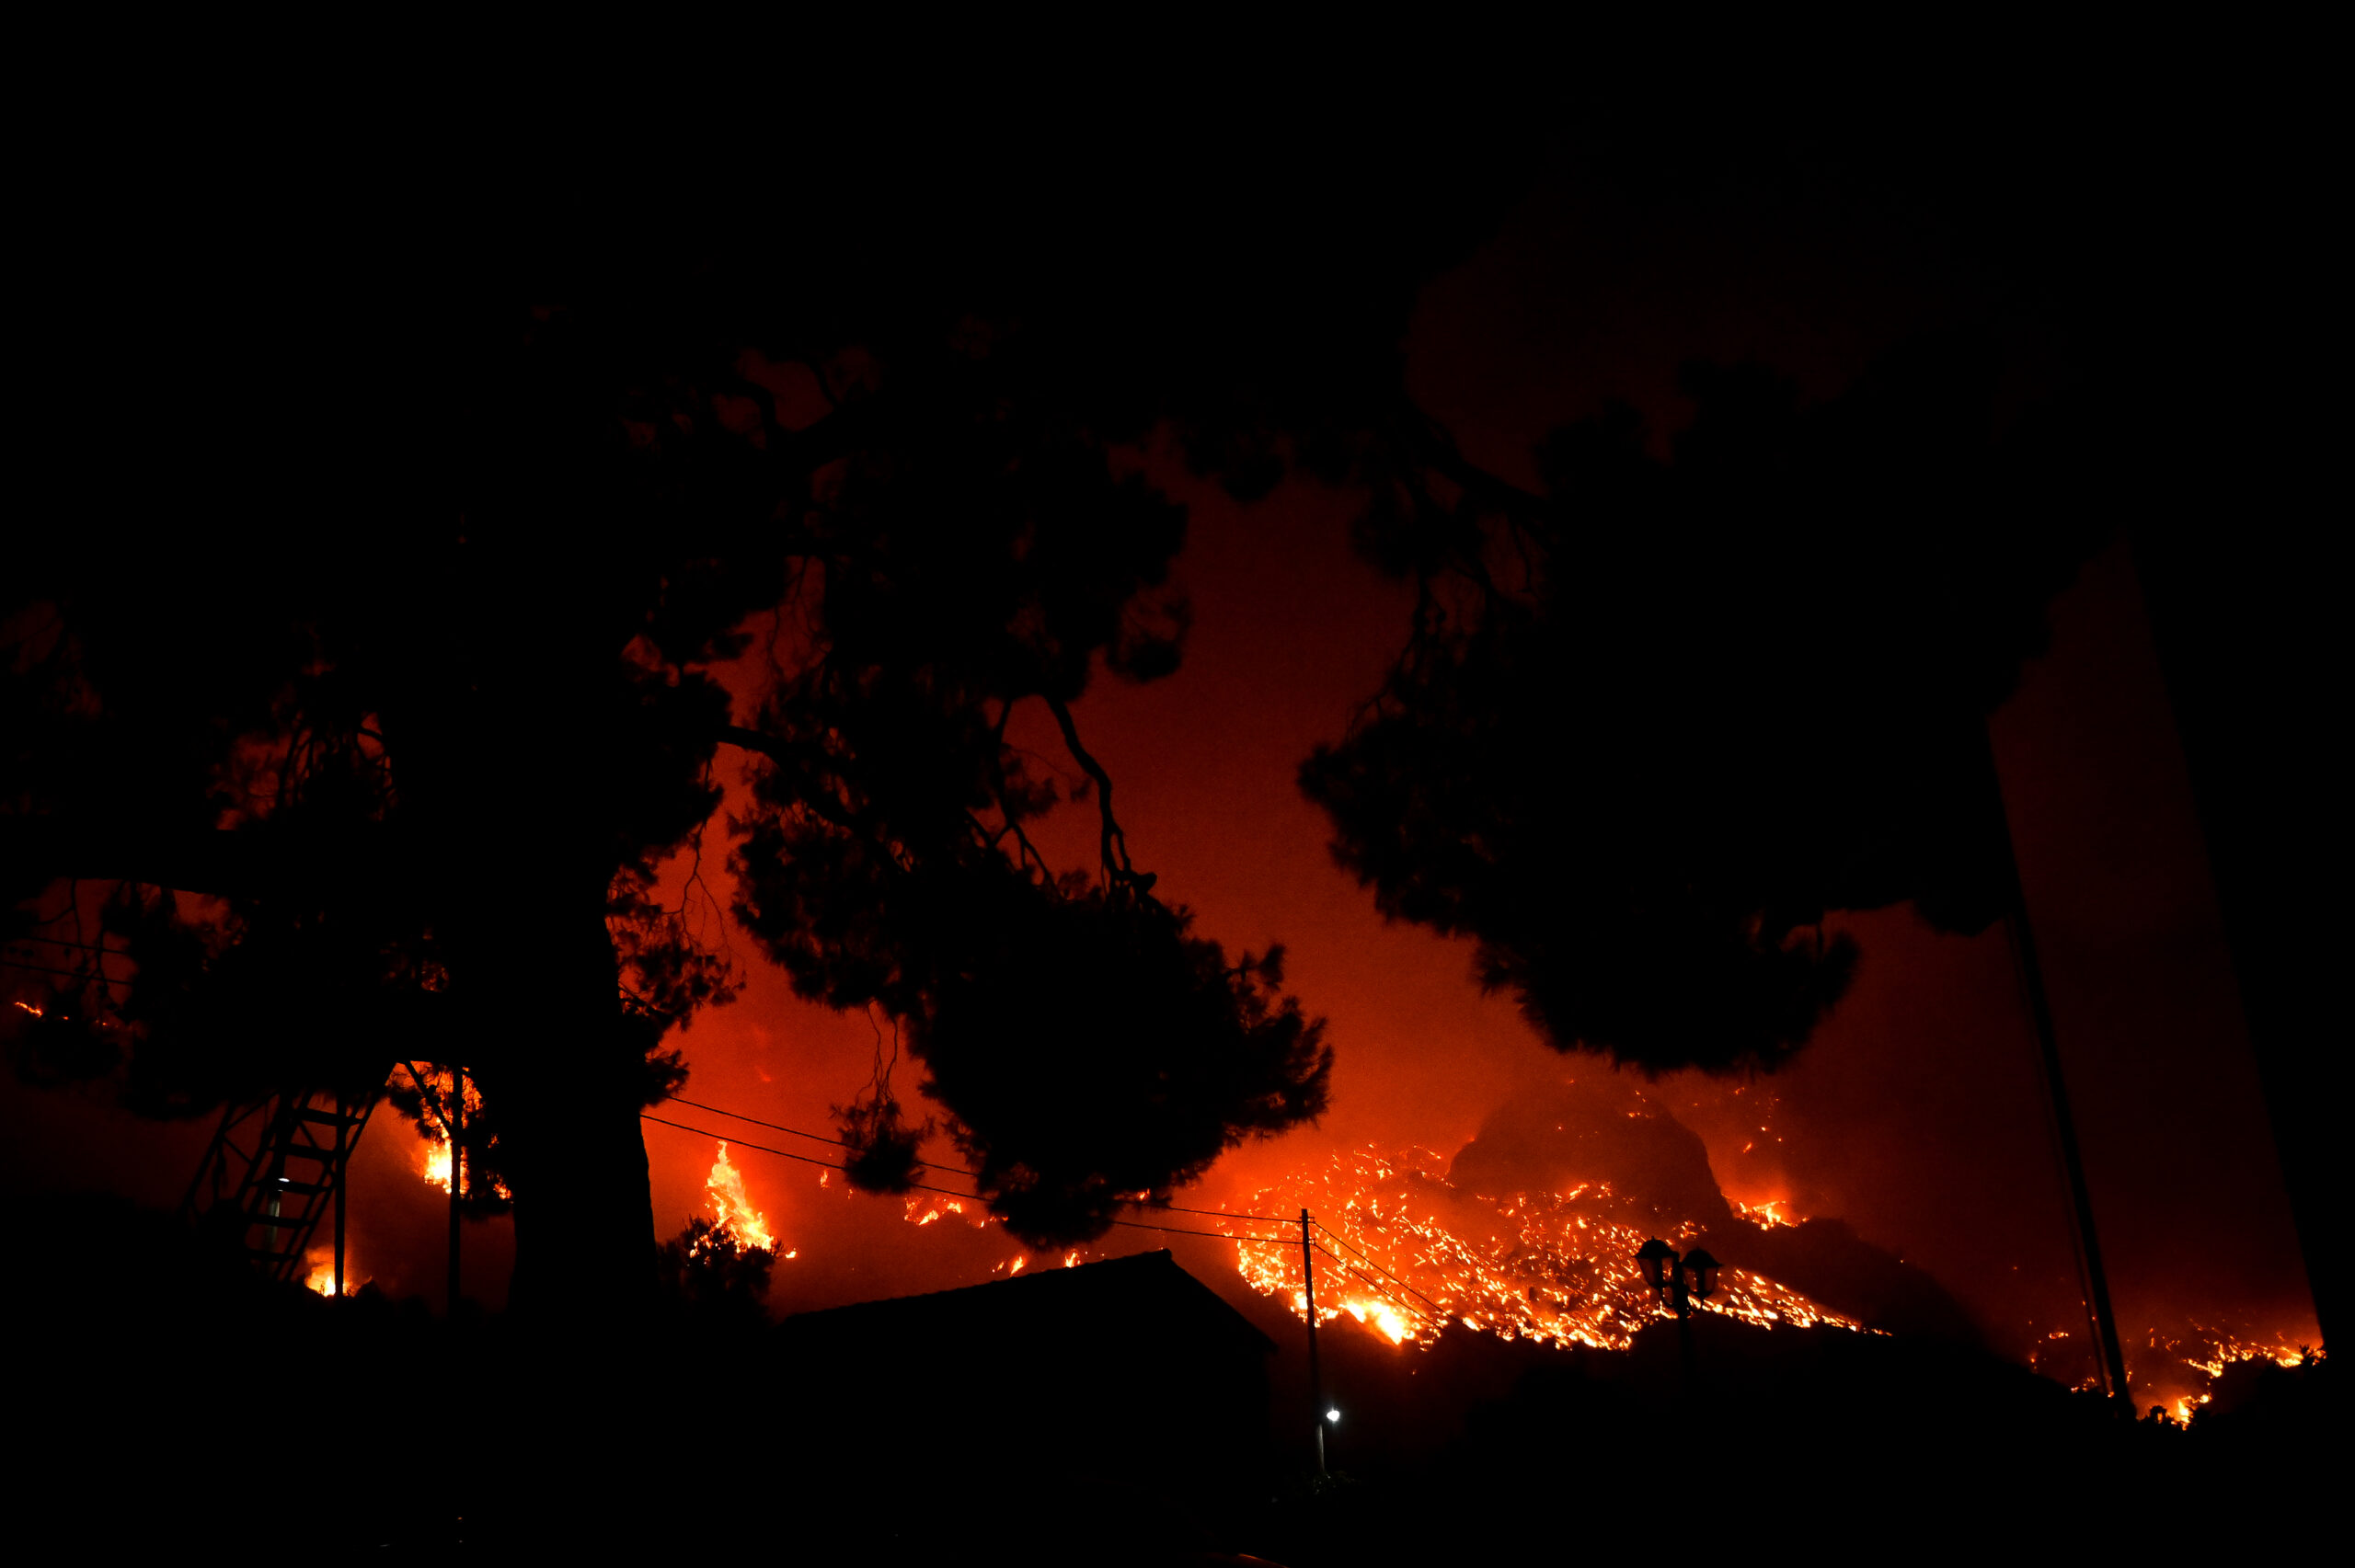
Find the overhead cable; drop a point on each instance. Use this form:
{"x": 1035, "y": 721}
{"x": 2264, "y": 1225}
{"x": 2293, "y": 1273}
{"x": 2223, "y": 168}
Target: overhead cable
{"x": 1371, "y": 1264}
{"x": 946, "y": 1192}
{"x": 83, "y": 975}
{"x": 1377, "y": 1284}
{"x": 64, "y": 942}
{"x": 963, "y": 1171}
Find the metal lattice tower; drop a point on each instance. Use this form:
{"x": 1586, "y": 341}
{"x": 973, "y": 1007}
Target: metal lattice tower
{"x": 278, "y": 1163}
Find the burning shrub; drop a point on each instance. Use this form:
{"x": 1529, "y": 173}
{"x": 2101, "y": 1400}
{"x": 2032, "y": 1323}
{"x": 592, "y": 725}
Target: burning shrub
{"x": 711, "y": 1273}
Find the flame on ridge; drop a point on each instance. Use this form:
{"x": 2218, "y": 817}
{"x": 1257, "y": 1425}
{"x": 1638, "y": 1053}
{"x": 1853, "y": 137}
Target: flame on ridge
{"x": 2180, "y": 1370}
{"x": 1413, "y": 1255}
{"x": 732, "y": 1213}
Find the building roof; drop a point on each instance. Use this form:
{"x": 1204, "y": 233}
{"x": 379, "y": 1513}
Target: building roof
{"x": 1126, "y": 1295}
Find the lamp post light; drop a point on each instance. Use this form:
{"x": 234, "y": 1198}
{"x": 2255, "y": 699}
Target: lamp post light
{"x": 1679, "y": 1281}
{"x": 1667, "y": 1274}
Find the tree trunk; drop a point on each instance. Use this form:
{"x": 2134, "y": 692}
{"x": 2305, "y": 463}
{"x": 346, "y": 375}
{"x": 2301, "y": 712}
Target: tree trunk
{"x": 567, "y": 1076}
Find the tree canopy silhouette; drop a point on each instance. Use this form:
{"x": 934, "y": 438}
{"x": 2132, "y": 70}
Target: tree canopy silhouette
{"x": 371, "y": 702}
{"x": 1654, "y": 724}
{"x": 379, "y": 688}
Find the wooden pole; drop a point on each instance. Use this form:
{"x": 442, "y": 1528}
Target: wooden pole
{"x": 1315, "y": 1374}
{"x": 2065, "y": 1124}
{"x": 342, "y": 1179}
{"x": 2097, "y": 1280}
{"x": 457, "y": 1127}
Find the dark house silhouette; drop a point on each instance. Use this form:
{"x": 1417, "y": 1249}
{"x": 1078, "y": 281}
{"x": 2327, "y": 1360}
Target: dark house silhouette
{"x": 1112, "y": 1369}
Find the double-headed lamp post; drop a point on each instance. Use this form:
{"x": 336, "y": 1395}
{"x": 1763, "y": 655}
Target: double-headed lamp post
{"x": 1667, "y": 1274}
{"x": 1680, "y": 1281}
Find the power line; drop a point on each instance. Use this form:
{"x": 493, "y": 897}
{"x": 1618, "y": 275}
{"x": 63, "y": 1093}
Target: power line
{"x": 1131, "y": 1224}
{"x": 739, "y": 1116}
{"x": 1213, "y": 1213}
{"x": 789, "y": 1154}
{"x": 62, "y": 942}
{"x": 1377, "y": 1284}
{"x": 780, "y": 1126}
{"x": 1228, "y": 1235}
{"x": 82, "y": 975}
{"x": 781, "y": 1153}
{"x": 946, "y": 1192}
{"x": 1371, "y": 1264}
{"x": 963, "y": 1171}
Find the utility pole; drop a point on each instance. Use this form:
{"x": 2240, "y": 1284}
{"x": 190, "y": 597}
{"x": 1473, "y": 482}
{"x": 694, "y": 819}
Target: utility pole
{"x": 453, "y": 1122}
{"x": 2096, "y": 1280}
{"x": 457, "y": 1126}
{"x": 1315, "y": 1376}
{"x": 342, "y": 1178}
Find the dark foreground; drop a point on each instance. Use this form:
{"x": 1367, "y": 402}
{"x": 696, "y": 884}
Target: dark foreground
{"x": 179, "y": 1406}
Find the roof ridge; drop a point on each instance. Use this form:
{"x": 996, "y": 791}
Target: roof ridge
{"x": 1158, "y": 1260}
{"x": 1028, "y": 1276}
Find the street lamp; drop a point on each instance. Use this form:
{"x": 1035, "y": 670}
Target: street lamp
{"x": 1680, "y": 1281}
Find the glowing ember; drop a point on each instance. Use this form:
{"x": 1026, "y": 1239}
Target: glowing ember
{"x": 732, "y": 1213}
{"x": 2223, "y": 1349}
{"x": 1413, "y": 1255}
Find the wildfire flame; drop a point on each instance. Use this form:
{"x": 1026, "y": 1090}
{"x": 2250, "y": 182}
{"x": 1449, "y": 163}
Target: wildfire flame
{"x": 1416, "y": 1255}
{"x": 732, "y": 1213}
{"x": 1383, "y": 1318}
{"x": 1410, "y": 1255}
{"x": 2177, "y": 1371}
{"x": 434, "y": 1164}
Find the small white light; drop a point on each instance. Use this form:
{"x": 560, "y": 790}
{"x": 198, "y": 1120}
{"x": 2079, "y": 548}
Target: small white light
{"x": 1333, "y": 1416}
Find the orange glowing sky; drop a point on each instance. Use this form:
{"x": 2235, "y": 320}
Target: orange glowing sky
{"x": 1914, "y": 1115}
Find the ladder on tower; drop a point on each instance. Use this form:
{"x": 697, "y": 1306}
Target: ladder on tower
{"x": 275, "y": 1168}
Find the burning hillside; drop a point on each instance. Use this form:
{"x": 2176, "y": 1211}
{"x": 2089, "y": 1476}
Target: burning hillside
{"x": 1417, "y": 1253}
{"x": 1531, "y": 1232}
{"x": 2179, "y": 1372}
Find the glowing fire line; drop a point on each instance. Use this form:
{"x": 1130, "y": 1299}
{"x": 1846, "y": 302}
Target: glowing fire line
{"x": 1556, "y": 1267}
